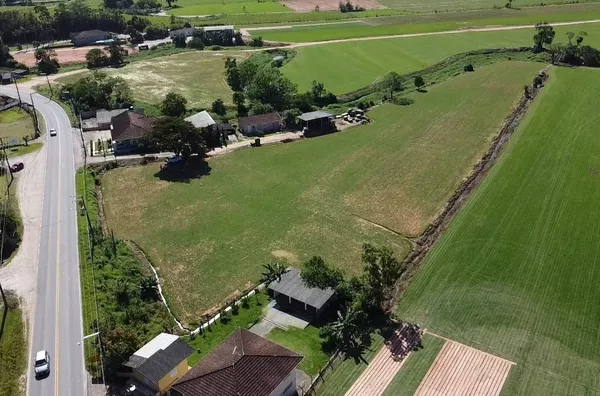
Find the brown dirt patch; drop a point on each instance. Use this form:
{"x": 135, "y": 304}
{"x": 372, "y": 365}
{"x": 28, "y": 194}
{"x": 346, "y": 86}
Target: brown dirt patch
{"x": 289, "y": 257}
{"x": 462, "y": 370}
{"x": 65, "y": 56}
{"x": 328, "y": 5}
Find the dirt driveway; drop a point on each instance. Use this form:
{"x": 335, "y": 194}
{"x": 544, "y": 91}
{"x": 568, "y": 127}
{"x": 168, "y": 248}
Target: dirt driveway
{"x": 65, "y": 56}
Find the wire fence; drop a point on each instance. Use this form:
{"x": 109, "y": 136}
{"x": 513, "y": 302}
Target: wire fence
{"x": 334, "y": 361}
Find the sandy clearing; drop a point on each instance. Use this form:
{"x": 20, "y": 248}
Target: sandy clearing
{"x": 461, "y": 370}
{"x": 65, "y": 56}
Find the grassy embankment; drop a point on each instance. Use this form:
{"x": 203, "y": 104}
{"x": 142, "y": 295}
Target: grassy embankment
{"x": 259, "y": 204}
{"x": 13, "y": 349}
{"x": 516, "y": 273}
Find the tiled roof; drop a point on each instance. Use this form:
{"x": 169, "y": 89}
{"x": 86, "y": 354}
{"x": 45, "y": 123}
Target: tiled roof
{"x": 161, "y": 362}
{"x": 130, "y": 125}
{"x": 259, "y": 119}
{"x": 244, "y": 364}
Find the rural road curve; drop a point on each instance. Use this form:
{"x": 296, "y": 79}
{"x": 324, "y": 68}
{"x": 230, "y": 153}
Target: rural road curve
{"x": 56, "y": 324}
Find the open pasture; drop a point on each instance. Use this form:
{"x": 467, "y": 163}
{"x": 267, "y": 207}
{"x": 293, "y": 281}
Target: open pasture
{"x": 349, "y": 66}
{"x": 198, "y": 76}
{"x": 517, "y": 272}
{"x": 451, "y": 5}
{"x": 228, "y": 8}
{"x": 325, "y": 196}
{"x": 428, "y": 23}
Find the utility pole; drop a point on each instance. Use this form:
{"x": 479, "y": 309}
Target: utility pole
{"x": 48, "y": 81}
{"x": 17, "y": 87}
{"x": 35, "y": 118}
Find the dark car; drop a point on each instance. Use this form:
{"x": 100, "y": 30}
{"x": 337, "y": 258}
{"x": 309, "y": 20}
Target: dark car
{"x": 16, "y": 167}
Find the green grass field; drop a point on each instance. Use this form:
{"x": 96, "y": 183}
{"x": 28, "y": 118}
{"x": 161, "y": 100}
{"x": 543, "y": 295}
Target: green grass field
{"x": 446, "y": 5}
{"x": 13, "y": 350}
{"x": 352, "y": 65}
{"x": 412, "y": 372}
{"x": 15, "y": 123}
{"x": 516, "y": 274}
{"x": 198, "y": 76}
{"x": 229, "y": 8}
{"x": 427, "y": 23}
{"x": 323, "y": 196}
{"x": 306, "y": 342}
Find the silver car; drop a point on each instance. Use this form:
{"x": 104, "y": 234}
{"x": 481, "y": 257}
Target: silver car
{"x": 52, "y": 132}
{"x": 42, "y": 364}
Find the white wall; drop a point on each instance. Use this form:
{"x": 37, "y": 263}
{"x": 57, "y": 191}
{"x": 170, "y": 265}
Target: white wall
{"x": 287, "y": 387}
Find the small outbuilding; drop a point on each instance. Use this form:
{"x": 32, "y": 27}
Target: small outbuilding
{"x": 201, "y": 120}
{"x": 186, "y": 32}
{"x": 290, "y": 292}
{"x": 316, "y": 123}
{"x": 260, "y": 124}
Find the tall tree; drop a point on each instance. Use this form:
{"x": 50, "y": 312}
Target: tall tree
{"x": 118, "y": 345}
{"x": 46, "y": 61}
{"x": 96, "y": 58}
{"x": 419, "y": 82}
{"x": 382, "y": 270}
{"x": 316, "y": 273}
{"x": 392, "y": 82}
{"x": 269, "y": 86}
{"x": 174, "y": 105}
{"x": 544, "y": 34}
{"x": 178, "y": 136}
{"x": 5, "y": 55}
{"x": 346, "y": 330}
{"x": 218, "y": 107}
{"x": 116, "y": 53}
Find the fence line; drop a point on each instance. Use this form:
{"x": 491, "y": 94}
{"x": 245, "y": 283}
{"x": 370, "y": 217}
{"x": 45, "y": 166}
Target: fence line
{"x": 334, "y": 361}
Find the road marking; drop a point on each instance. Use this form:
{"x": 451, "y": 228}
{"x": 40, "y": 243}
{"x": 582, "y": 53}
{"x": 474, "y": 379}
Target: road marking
{"x": 57, "y": 319}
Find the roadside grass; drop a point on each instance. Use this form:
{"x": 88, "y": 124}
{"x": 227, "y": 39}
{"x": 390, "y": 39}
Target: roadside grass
{"x": 197, "y": 75}
{"x": 15, "y": 123}
{"x": 306, "y": 342}
{"x": 412, "y": 372}
{"x": 210, "y": 235}
{"x": 212, "y": 336}
{"x": 23, "y": 150}
{"x": 352, "y": 65}
{"x": 13, "y": 349}
{"x": 347, "y": 372}
{"x": 229, "y": 8}
{"x": 516, "y": 273}
{"x": 45, "y": 91}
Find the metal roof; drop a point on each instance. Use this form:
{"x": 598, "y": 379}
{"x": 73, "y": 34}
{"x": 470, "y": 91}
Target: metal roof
{"x": 161, "y": 341}
{"x": 201, "y": 120}
{"x": 217, "y": 28}
{"x": 291, "y": 285}
{"x": 314, "y": 115}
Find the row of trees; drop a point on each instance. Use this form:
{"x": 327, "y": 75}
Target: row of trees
{"x": 99, "y": 91}
{"x": 573, "y": 53}
{"x": 44, "y": 26}
{"x": 201, "y": 39}
{"x": 114, "y": 54}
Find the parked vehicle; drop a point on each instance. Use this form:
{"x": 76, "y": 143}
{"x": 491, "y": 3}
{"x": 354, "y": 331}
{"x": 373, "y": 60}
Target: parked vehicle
{"x": 42, "y": 364}
{"x": 16, "y": 167}
{"x": 174, "y": 159}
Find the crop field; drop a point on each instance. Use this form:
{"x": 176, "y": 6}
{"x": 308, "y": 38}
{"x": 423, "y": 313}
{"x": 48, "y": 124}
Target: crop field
{"x": 324, "y": 196}
{"x": 229, "y": 8}
{"x": 517, "y": 272}
{"x": 448, "y": 5}
{"x": 352, "y": 65}
{"x": 427, "y": 23}
{"x": 198, "y": 76}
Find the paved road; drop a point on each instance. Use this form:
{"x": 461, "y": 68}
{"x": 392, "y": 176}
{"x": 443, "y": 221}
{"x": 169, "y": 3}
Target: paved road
{"x": 57, "y": 314}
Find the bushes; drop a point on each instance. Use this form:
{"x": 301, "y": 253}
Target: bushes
{"x": 468, "y": 68}
{"x": 156, "y": 32}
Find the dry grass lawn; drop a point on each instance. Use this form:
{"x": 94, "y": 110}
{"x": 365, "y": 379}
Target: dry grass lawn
{"x": 324, "y": 196}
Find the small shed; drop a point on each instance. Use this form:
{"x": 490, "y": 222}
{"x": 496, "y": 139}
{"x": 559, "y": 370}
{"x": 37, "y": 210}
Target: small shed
{"x": 291, "y": 292}
{"x": 316, "y": 123}
{"x": 6, "y": 78}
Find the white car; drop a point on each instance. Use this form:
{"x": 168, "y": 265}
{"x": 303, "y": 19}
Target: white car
{"x": 42, "y": 364}
{"x": 52, "y": 132}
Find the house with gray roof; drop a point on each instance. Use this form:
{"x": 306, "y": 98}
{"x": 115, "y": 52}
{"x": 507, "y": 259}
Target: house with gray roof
{"x": 291, "y": 293}
{"x": 159, "y": 364}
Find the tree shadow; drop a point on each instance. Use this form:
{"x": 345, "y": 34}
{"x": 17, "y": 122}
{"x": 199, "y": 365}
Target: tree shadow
{"x": 184, "y": 172}
{"x": 421, "y": 90}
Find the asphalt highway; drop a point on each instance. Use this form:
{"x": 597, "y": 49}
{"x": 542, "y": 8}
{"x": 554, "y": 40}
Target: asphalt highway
{"x": 57, "y": 323}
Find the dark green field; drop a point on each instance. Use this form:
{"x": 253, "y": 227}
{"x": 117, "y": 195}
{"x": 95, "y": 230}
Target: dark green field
{"x": 517, "y": 272}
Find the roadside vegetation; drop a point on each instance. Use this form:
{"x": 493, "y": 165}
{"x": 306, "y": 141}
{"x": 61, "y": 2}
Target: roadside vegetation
{"x": 119, "y": 297}
{"x": 517, "y": 263}
{"x": 13, "y": 349}
{"x": 328, "y": 207}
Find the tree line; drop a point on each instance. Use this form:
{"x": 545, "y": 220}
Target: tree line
{"x": 572, "y": 53}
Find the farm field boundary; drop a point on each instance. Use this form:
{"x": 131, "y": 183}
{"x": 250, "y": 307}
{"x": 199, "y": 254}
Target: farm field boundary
{"x": 434, "y": 231}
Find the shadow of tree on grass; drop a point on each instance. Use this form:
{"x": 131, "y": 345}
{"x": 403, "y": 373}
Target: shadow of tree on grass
{"x": 184, "y": 172}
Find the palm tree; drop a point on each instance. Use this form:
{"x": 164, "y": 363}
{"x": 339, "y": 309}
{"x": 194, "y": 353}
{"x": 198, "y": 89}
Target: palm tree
{"x": 348, "y": 327}
{"x": 273, "y": 272}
